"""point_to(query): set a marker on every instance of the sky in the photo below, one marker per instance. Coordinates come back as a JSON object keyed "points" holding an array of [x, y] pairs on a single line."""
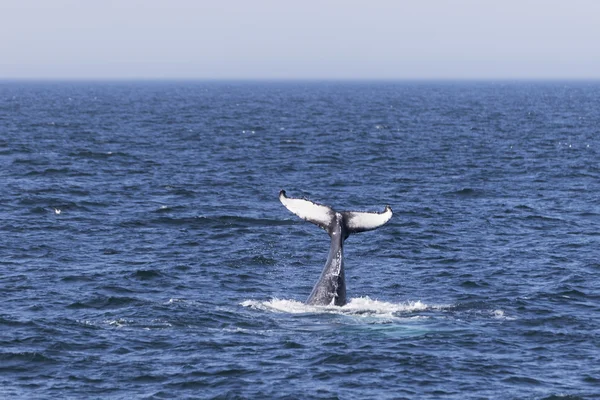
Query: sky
{"points": [[302, 39]]}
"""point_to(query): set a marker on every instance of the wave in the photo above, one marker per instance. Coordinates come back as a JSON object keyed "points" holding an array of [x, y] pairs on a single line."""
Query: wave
{"points": [[106, 302], [235, 220], [218, 222], [71, 172], [466, 192], [101, 155], [23, 356]]}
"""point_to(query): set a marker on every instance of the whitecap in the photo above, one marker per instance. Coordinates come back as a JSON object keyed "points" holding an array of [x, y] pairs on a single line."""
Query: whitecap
{"points": [[499, 314]]}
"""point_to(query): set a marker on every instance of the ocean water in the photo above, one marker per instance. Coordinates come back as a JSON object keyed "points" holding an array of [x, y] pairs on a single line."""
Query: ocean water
{"points": [[144, 253]]}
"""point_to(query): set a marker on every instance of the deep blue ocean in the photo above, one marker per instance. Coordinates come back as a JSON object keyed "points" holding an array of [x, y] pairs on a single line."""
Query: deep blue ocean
{"points": [[144, 252]]}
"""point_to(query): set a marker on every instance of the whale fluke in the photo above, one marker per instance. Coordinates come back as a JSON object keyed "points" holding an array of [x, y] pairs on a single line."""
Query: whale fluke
{"points": [[324, 216], [331, 286]]}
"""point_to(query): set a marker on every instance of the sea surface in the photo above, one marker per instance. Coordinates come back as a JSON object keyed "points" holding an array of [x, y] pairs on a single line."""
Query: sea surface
{"points": [[144, 252]]}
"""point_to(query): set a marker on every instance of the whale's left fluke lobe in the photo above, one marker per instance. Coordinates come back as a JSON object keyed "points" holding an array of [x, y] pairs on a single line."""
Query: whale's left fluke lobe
{"points": [[331, 287], [318, 214]]}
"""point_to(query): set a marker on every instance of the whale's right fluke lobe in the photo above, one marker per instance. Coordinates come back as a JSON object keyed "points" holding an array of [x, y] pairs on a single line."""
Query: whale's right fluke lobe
{"points": [[366, 221]]}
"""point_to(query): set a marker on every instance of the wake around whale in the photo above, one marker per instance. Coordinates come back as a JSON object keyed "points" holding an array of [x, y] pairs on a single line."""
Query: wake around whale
{"points": [[330, 289]]}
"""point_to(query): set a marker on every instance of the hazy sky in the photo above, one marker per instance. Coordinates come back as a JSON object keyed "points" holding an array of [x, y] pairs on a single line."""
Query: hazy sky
{"points": [[306, 39]]}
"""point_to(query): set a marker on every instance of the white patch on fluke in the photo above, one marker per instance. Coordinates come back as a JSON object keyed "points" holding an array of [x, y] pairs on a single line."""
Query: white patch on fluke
{"points": [[366, 221], [307, 210]]}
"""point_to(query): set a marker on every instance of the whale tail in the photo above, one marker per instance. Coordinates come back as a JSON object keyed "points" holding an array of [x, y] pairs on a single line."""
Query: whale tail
{"points": [[327, 218]]}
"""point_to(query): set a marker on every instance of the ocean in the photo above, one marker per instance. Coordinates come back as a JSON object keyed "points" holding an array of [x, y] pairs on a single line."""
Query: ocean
{"points": [[144, 252]]}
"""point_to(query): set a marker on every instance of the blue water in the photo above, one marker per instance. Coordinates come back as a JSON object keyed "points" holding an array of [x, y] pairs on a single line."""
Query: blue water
{"points": [[144, 252]]}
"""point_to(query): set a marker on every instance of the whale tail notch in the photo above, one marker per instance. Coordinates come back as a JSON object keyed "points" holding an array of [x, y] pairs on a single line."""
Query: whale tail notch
{"points": [[326, 217]]}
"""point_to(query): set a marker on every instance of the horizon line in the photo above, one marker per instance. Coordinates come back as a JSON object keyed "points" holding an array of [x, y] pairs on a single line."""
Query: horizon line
{"points": [[281, 80]]}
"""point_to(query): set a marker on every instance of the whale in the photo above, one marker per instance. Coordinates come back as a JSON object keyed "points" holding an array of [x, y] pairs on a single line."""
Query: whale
{"points": [[330, 289]]}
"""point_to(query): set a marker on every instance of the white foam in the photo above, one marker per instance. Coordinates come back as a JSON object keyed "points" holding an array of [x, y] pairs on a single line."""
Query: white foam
{"points": [[362, 306], [118, 322], [499, 314]]}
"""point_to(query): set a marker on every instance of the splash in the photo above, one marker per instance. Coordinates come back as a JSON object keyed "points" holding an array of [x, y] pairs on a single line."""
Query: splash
{"points": [[362, 306]]}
